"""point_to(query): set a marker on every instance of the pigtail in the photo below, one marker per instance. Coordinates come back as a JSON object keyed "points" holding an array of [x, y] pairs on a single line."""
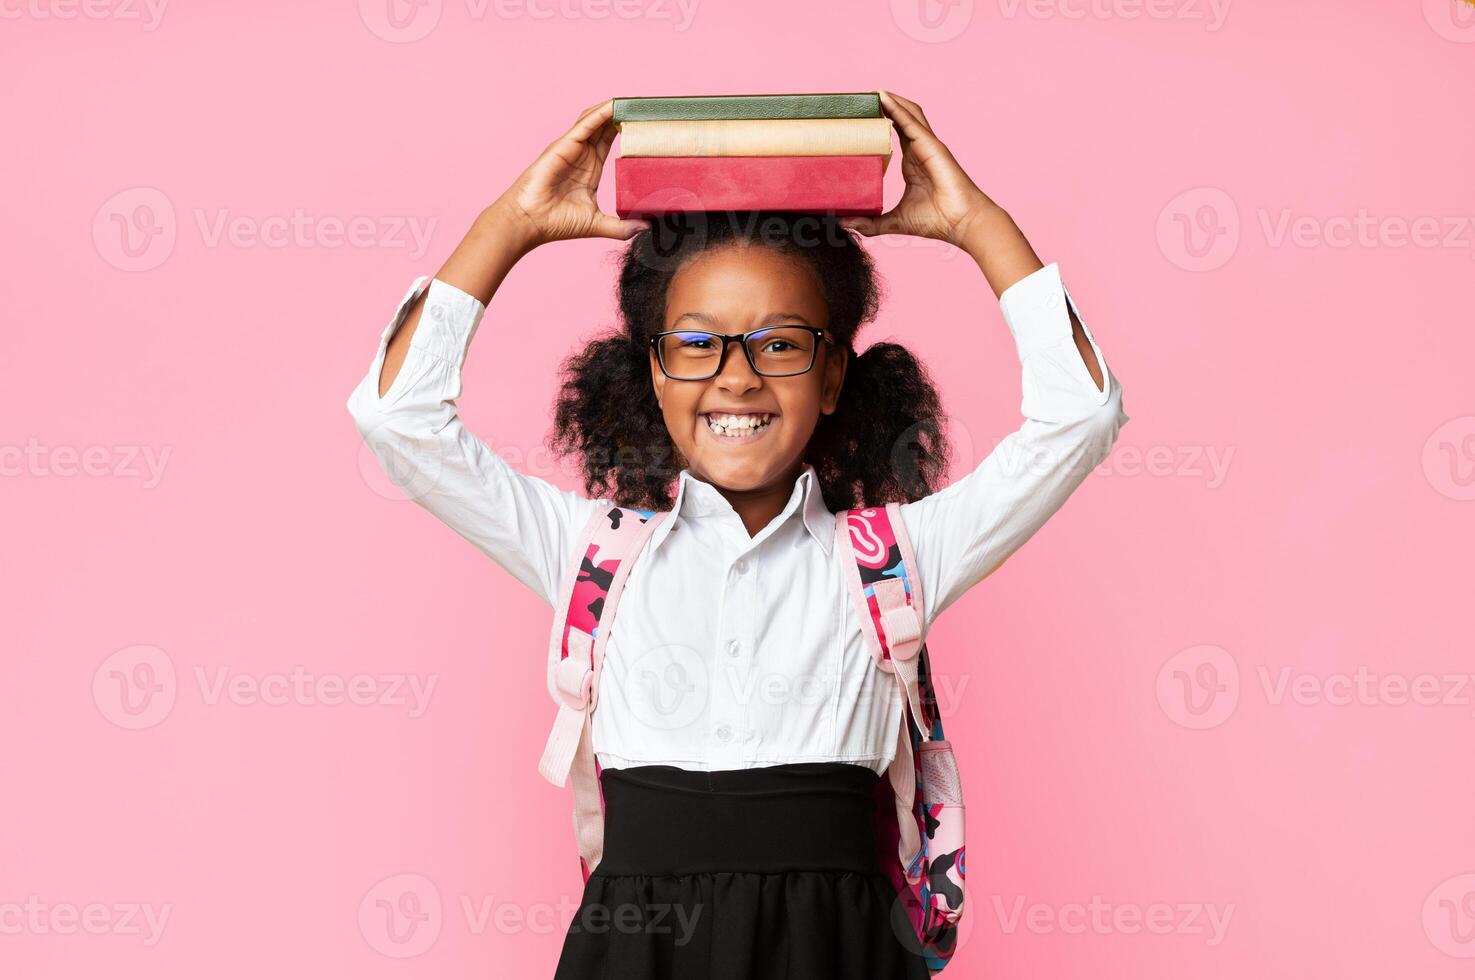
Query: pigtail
{"points": [[607, 416], [885, 441]]}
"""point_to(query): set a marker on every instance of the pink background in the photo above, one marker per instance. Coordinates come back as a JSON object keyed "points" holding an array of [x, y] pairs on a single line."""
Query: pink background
{"points": [[1123, 729]]}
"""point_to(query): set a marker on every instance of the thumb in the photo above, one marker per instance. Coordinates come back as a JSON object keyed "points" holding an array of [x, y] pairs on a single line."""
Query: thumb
{"points": [[868, 226], [608, 226]]}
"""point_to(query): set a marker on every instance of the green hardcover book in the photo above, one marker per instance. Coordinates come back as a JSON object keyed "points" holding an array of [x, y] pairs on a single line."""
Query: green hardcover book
{"points": [[819, 105]]}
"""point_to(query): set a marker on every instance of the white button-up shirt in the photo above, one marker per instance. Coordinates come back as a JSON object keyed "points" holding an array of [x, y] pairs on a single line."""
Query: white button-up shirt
{"points": [[732, 651]]}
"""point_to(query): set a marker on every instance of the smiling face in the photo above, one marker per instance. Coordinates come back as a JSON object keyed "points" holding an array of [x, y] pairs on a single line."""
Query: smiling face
{"points": [[734, 289]]}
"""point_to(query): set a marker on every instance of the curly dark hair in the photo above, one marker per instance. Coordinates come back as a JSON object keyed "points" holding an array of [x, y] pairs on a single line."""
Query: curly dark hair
{"points": [[884, 442]]}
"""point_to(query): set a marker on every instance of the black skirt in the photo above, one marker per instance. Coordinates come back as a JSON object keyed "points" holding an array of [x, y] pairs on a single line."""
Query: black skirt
{"points": [[743, 874]]}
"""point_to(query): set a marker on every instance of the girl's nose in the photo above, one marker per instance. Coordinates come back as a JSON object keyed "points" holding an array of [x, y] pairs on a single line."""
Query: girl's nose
{"points": [[734, 372]]}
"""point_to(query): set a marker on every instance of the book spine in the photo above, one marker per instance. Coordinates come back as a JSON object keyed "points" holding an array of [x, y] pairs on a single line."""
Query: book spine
{"points": [[756, 138], [651, 186], [837, 105]]}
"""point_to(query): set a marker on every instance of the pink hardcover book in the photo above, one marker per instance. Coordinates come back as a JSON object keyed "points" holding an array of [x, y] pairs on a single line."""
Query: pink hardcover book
{"points": [[649, 186]]}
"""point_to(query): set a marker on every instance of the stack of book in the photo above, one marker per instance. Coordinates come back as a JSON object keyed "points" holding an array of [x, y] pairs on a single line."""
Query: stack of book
{"points": [[823, 152]]}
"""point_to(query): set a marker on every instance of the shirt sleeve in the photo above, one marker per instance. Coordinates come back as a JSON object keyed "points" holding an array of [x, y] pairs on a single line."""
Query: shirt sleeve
{"points": [[964, 532], [524, 523]]}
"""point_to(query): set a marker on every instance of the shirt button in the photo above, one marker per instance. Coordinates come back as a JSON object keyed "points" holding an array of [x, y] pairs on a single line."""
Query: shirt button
{"points": [[724, 733], [438, 312], [733, 647], [741, 566]]}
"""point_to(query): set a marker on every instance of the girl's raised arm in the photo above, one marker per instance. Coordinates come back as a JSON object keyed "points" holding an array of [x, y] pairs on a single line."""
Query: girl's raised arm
{"points": [[1072, 414], [405, 405], [1072, 404]]}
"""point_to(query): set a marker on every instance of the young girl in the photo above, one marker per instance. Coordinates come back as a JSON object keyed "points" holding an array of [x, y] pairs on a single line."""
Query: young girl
{"points": [[741, 724]]}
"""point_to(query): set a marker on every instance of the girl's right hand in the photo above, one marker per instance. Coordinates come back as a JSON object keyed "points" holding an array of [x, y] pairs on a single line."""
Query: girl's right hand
{"points": [[554, 198]]}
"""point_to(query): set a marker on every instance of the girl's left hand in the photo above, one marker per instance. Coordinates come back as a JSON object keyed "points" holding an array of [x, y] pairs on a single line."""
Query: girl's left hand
{"points": [[940, 200]]}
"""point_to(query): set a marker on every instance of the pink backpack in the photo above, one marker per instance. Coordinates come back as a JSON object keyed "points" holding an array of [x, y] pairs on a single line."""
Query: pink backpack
{"points": [[920, 836]]}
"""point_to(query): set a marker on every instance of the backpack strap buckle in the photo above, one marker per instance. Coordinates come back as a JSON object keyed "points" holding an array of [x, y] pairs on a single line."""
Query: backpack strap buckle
{"points": [[573, 677], [900, 620]]}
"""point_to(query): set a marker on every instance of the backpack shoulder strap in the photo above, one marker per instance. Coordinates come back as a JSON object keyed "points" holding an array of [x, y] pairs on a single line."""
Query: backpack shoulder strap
{"points": [[590, 591], [886, 591], [604, 555]]}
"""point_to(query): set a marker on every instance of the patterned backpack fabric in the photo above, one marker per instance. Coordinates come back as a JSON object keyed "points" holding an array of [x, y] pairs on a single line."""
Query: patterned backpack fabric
{"points": [[919, 819]]}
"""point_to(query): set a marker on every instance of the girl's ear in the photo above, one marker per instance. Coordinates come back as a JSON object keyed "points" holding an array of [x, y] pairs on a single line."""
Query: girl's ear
{"points": [[657, 377], [837, 362]]}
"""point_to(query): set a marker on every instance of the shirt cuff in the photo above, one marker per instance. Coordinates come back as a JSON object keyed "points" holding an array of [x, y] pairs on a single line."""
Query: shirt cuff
{"points": [[1035, 310], [447, 324]]}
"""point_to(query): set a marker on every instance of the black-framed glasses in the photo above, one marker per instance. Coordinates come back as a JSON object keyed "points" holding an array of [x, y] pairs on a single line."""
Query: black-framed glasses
{"points": [[773, 352]]}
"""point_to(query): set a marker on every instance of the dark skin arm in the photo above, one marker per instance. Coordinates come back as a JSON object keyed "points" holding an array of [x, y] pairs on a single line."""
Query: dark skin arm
{"points": [[552, 200], [941, 202]]}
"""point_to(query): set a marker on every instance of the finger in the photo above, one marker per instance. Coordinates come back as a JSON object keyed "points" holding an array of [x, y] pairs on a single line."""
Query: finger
{"points": [[915, 110], [889, 107], [593, 118], [926, 145], [609, 226], [903, 113], [868, 226], [605, 141]]}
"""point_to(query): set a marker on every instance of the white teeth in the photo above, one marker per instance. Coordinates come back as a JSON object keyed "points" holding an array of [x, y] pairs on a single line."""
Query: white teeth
{"points": [[737, 425]]}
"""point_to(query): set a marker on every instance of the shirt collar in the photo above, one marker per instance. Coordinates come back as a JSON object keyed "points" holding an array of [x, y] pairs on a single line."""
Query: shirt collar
{"points": [[696, 497]]}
